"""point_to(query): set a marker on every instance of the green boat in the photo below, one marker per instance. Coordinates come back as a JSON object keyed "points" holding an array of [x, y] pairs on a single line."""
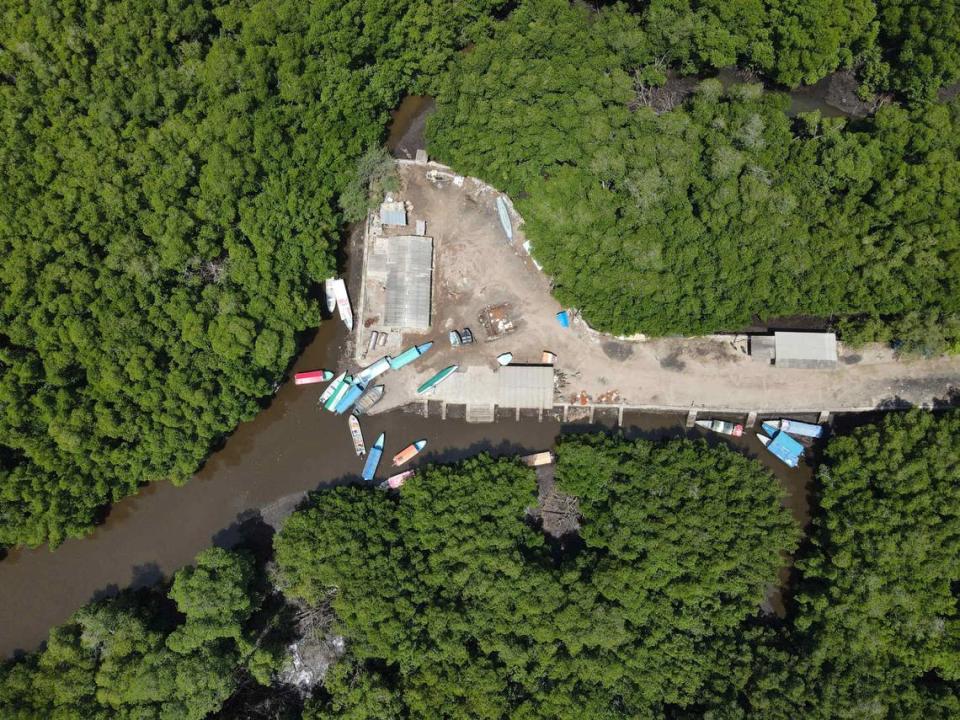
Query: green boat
{"points": [[437, 379]]}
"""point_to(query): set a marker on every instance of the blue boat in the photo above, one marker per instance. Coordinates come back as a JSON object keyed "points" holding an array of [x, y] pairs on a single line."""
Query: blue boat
{"points": [[347, 401], [409, 355], [373, 459], [784, 447], [795, 427]]}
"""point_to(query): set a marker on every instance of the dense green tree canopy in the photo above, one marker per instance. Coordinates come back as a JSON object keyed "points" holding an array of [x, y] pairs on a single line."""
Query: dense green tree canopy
{"points": [[722, 209], [121, 658], [454, 605], [169, 177]]}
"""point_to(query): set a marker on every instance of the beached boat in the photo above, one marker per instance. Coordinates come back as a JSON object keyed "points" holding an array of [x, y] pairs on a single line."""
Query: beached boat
{"points": [[375, 370], [331, 388], [369, 398], [548, 358], [343, 387], [382, 340], [408, 453], [373, 341], [454, 337], [795, 427], [783, 447], [505, 358], [343, 302], [312, 376], [437, 379], [395, 481], [373, 459], [504, 218], [331, 295], [721, 426], [349, 398], [537, 459], [357, 435], [409, 355]]}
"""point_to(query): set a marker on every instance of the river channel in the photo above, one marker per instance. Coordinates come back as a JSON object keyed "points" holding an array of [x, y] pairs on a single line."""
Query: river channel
{"points": [[263, 470]]}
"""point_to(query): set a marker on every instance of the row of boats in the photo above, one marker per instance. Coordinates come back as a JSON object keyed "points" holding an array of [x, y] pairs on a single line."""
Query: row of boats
{"points": [[779, 436]]}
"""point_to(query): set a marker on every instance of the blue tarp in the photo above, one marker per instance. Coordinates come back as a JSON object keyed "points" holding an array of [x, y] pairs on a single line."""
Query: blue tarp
{"points": [[563, 318], [786, 448]]}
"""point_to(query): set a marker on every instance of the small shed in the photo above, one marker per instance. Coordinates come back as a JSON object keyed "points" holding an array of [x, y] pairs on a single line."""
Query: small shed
{"points": [[805, 350], [393, 213]]}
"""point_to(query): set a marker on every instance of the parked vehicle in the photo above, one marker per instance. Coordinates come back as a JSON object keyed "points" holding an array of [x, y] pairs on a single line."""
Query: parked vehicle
{"points": [[466, 337], [455, 340]]}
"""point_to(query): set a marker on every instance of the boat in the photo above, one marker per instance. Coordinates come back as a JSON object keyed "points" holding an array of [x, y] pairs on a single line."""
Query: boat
{"points": [[312, 376], [374, 370], [409, 355], [408, 453], [437, 379], [395, 481], [373, 341], [331, 296], [369, 398], [721, 426], [537, 459], [505, 358], [795, 427], [373, 459], [342, 388], [783, 447], [504, 218], [349, 398], [343, 302], [357, 435], [331, 388], [383, 339], [454, 337], [466, 336], [548, 358]]}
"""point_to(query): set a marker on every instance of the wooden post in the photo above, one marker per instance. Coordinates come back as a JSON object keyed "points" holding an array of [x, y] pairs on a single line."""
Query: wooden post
{"points": [[691, 418], [620, 416], [518, 413], [565, 408], [443, 410], [824, 417]]}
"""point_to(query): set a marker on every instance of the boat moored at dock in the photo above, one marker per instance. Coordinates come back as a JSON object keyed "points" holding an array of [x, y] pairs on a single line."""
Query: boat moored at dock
{"points": [[721, 426], [370, 397], [795, 427], [312, 376]]}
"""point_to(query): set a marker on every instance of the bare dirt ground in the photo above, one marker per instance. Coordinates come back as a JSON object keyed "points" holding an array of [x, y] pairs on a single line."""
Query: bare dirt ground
{"points": [[475, 267]]}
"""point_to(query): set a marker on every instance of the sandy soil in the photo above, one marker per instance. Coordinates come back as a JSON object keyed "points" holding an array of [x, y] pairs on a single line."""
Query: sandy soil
{"points": [[475, 267]]}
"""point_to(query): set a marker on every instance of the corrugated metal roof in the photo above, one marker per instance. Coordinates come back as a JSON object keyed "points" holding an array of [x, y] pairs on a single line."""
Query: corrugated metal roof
{"points": [[393, 213], [805, 350], [408, 265], [524, 386]]}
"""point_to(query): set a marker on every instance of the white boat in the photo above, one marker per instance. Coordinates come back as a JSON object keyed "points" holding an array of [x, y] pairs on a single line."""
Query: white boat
{"points": [[357, 435], [505, 358], [796, 427], [331, 388], [331, 296], [343, 302], [373, 341], [721, 426], [537, 459]]}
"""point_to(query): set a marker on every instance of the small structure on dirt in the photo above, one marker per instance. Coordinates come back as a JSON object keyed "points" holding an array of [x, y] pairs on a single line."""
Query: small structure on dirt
{"points": [[803, 350], [497, 320], [403, 265], [393, 213], [813, 351]]}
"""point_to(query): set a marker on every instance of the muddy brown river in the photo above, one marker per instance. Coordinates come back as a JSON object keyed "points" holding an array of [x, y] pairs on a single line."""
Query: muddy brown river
{"points": [[263, 469]]}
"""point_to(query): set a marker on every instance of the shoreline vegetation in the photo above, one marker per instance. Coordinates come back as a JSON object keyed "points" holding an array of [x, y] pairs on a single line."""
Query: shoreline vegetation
{"points": [[448, 600], [172, 184]]}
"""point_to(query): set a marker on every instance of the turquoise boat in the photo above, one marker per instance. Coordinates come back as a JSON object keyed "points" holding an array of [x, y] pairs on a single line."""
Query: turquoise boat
{"points": [[338, 392], [437, 379], [373, 459], [409, 355]]}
